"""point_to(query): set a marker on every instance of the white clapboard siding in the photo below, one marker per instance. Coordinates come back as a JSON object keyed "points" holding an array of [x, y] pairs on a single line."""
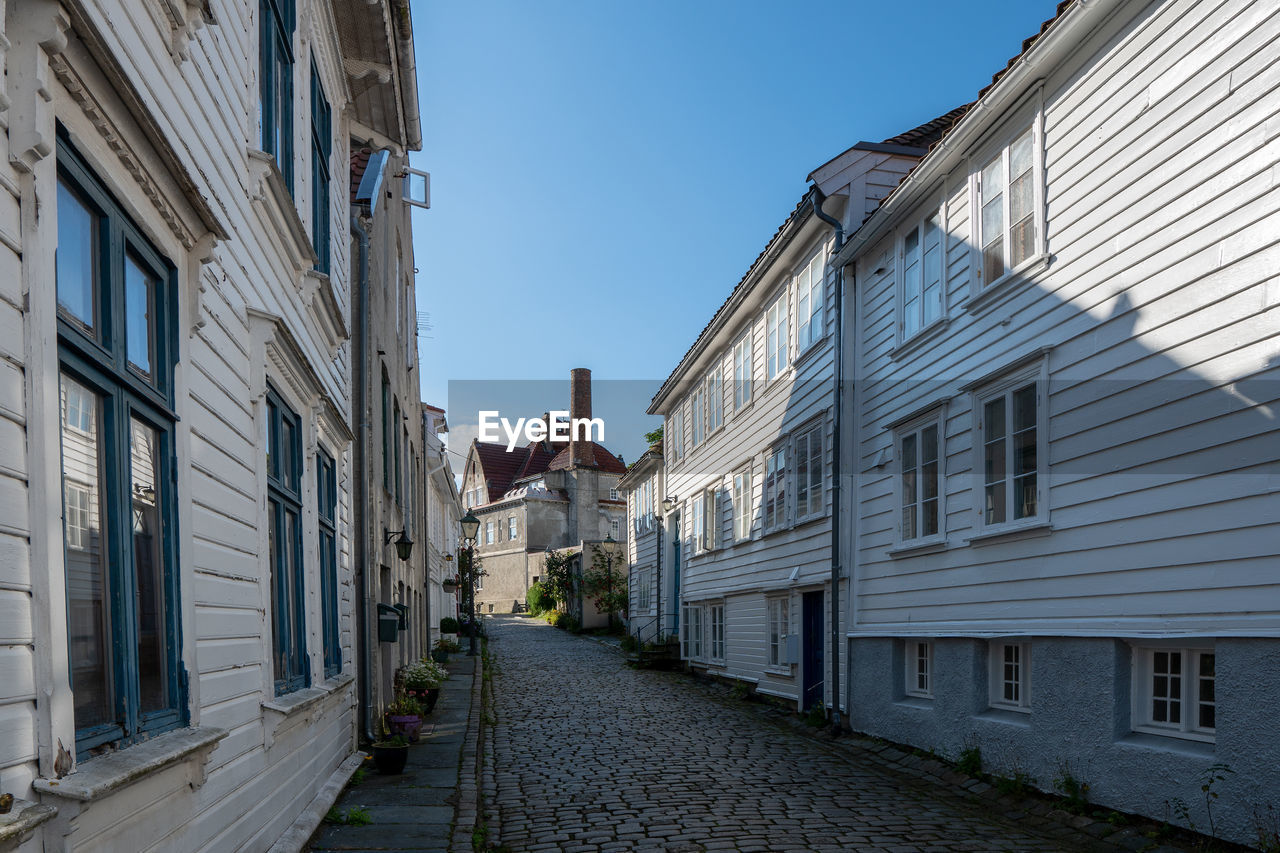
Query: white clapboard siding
{"points": [[1159, 305]]}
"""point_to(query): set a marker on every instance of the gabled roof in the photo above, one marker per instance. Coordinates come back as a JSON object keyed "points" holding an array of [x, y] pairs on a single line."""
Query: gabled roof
{"points": [[929, 133], [600, 458], [504, 469]]}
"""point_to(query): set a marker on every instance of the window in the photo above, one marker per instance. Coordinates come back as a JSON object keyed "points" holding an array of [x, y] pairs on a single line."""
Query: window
{"points": [[775, 490], [715, 399], [642, 506], [674, 435], [489, 532], [321, 151], [1174, 692], [327, 510], [386, 431], [275, 108], [116, 313], [284, 517], [710, 526], [1007, 196], [921, 256], [920, 486], [1011, 676], [776, 331], [395, 462], [810, 286], [691, 632], [779, 628], [512, 529], [742, 372], [697, 414], [614, 528], [613, 494], [1011, 453], [698, 527], [742, 506], [919, 669], [809, 474], [644, 591], [717, 632]]}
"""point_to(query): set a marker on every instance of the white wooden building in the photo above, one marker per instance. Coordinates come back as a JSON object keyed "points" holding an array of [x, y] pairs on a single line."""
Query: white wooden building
{"points": [[1066, 419], [642, 489], [177, 651], [442, 513], [748, 426]]}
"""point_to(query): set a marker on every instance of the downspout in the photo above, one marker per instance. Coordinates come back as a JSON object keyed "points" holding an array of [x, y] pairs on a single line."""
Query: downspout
{"points": [[836, 725], [362, 477]]}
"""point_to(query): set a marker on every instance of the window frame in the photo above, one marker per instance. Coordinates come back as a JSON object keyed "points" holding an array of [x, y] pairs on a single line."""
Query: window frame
{"points": [[806, 435], [327, 542], [1030, 117], [743, 358], [1037, 375], [490, 532], [996, 663], [321, 154], [770, 499], [288, 582], [644, 591], [276, 63], [741, 497], [939, 211], [936, 418], [98, 358], [713, 385], [805, 343], [912, 672], [697, 415], [777, 356], [692, 642], [777, 615], [716, 629], [1189, 700], [513, 528]]}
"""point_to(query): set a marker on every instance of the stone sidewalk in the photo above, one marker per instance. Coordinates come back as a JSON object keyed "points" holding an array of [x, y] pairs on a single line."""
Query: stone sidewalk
{"points": [[431, 807]]}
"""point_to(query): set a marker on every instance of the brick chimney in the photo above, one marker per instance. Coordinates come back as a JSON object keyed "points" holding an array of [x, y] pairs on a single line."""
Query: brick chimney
{"points": [[580, 454]]}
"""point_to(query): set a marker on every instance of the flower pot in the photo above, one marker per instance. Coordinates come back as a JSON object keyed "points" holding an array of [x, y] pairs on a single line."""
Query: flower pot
{"points": [[440, 656], [427, 697], [407, 725], [390, 758]]}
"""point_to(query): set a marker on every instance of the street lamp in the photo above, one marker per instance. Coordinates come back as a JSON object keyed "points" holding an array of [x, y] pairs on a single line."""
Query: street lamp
{"points": [[404, 545], [611, 549], [470, 529]]}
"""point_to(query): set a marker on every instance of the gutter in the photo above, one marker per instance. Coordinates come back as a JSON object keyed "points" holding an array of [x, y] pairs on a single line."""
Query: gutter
{"points": [[408, 75], [837, 381], [1062, 38]]}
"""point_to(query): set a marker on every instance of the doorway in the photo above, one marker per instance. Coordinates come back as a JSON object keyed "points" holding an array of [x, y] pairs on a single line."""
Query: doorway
{"points": [[811, 642]]}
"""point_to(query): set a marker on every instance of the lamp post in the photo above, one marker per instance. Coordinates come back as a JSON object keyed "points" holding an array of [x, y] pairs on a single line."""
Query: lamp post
{"points": [[610, 548], [470, 528]]}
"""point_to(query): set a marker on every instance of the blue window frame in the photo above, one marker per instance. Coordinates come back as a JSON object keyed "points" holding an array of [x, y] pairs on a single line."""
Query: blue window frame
{"points": [[321, 150], [275, 108], [386, 431], [327, 505], [395, 447], [284, 520], [116, 346]]}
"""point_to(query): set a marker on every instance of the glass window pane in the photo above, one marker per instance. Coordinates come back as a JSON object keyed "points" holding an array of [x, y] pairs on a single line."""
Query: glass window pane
{"points": [[77, 257], [1020, 155], [148, 564], [139, 306], [88, 594]]}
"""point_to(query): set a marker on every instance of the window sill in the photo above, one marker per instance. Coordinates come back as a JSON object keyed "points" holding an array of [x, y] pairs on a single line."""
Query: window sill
{"points": [[1007, 716], [1168, 743], [920, 338], [1006, 285], [915, 549], [783, 671], [306, 702], [22, 820], [1011, 533], [920, 703], [106, 774], [807, 353]]}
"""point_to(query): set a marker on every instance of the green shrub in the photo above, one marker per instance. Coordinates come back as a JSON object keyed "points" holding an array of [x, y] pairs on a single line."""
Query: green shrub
{"points": [[448, 625], [817, 716], [629, 643], [539, 599], [970, 762]]}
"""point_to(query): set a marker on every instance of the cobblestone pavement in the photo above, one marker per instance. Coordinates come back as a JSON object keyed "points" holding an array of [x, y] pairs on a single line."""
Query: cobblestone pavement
{"points": [[589, 755]]}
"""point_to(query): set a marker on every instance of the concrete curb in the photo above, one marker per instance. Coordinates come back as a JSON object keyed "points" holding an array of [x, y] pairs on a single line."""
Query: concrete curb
{"points": [[467, 809]]}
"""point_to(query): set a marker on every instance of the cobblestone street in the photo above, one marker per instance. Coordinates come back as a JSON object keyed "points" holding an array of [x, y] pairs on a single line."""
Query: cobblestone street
{"points": [[590, 755]]}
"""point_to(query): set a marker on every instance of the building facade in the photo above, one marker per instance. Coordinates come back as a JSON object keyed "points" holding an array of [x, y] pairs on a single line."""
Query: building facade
{"points": [[442, 514], [177, 586], [642, 489], [1065, 437]]}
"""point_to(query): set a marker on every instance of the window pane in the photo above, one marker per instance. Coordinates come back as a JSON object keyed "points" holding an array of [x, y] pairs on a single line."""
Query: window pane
{"points": [[1024, 452], [148, 564], [139, 306], [87, 590], [77, 257], [1207, 703], [994, 459]]}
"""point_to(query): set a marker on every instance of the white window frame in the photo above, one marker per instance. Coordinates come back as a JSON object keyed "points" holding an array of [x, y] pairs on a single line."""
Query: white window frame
{"points": [[697, 519], [711, 519], [777, 629], [777, 332], [644, 591], [811, 321], [1187, 695], [614, 528], [804, 440], [743, 368], [773, 490], [742, 505], [697, 415], [913, 283], [613, 494], [674, 435], [714, 394], [919, 671], [1009, 668], [1037, 375], [691, 634], [1029, 117], [490, 528], [716, 625], [915, 429]]}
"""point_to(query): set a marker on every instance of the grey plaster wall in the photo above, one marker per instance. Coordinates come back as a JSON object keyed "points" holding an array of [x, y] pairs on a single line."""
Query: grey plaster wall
{"points": [[1080, 723]]}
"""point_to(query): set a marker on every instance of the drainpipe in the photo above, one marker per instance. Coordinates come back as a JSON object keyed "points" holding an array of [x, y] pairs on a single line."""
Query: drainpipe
{"points": [[836, 726], [360, 357]]}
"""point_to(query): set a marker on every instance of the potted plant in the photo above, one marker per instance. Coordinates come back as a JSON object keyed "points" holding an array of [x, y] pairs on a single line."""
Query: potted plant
{"points": [[404, 717], [448, 625], [390, 755], [422, 682], [442, 649], [450, 585]]}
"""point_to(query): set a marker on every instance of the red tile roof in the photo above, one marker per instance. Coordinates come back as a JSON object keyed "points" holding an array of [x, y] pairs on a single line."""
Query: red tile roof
{"points": [[600, 458], [503, 469], [359, 162], [929, 133]]}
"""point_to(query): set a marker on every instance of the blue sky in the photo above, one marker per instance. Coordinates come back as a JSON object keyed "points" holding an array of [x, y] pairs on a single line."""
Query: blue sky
{"points": [[603, 173]]}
